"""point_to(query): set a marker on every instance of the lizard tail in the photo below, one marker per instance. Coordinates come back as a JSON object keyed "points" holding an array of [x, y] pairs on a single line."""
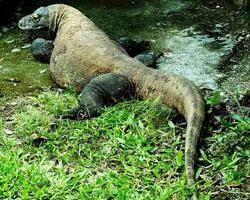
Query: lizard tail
{"points": [[180, 93]]}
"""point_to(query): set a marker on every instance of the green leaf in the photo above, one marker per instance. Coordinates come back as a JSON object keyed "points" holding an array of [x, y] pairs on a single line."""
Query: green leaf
{"points": [[179, 160], [171, 124], [203, 155], [121, 141], [198, 173], [215, 99]]}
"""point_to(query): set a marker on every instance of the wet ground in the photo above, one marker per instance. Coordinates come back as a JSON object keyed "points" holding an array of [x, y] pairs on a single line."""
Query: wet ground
{"points": [[173, 27], [195, 55]]}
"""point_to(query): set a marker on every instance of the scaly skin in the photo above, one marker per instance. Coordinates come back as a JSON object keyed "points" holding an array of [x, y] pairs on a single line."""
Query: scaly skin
{"points": [[82, 52]]}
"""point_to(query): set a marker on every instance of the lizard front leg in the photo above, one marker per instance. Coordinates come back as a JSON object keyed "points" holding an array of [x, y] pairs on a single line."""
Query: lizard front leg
{"points": [[103, 90]]}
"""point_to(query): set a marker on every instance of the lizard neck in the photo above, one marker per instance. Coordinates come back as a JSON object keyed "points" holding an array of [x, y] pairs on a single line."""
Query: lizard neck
{"points": [[56, 17]]}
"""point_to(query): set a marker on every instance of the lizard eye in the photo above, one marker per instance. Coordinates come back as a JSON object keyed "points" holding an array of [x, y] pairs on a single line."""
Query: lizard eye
{"points": [[35, 16]]}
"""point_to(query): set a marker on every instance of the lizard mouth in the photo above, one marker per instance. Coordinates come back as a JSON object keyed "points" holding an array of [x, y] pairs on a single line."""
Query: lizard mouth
{"points": [[26, 23]]}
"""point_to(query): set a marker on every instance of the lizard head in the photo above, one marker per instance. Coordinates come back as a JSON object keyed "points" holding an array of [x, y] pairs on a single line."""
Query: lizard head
{"points": [[37, 20]]}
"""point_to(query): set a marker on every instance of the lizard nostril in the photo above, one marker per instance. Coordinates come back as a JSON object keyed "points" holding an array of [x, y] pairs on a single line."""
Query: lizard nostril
{"points": [[20, 23]]}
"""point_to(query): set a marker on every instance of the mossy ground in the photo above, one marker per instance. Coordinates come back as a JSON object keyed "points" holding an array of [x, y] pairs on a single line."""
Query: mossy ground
{"points": [[20, 72]]}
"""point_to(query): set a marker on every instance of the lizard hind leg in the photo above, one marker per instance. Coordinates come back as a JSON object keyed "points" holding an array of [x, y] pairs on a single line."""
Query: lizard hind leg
{"points": [[103, 90]]}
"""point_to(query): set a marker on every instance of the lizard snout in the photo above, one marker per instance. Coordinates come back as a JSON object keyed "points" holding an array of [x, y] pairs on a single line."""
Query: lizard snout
{"points": [[20, 23]]}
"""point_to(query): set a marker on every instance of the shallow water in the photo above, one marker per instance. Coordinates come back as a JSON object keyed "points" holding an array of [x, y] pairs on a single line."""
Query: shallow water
{"points": [[192, 55], [168, 24]]}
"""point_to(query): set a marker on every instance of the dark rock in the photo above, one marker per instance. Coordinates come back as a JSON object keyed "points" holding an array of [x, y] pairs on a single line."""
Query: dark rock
{"points": [[42, 49]]}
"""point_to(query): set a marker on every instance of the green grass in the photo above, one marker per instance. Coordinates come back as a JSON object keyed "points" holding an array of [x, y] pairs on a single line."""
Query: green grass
{"points": [[132, 151]]}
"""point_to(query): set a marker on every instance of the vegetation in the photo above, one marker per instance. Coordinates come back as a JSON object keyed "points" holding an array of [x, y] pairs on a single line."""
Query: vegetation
{"points": [[134, 150]]}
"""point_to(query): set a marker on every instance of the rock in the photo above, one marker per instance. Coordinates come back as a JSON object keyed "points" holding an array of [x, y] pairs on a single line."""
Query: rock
{"points": [[9, 41], [15, 50], [26, 46], [42, 71]]}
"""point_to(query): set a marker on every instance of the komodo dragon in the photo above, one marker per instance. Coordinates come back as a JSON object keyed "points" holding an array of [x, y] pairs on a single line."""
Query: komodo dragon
{"points": [[87, 59]]}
